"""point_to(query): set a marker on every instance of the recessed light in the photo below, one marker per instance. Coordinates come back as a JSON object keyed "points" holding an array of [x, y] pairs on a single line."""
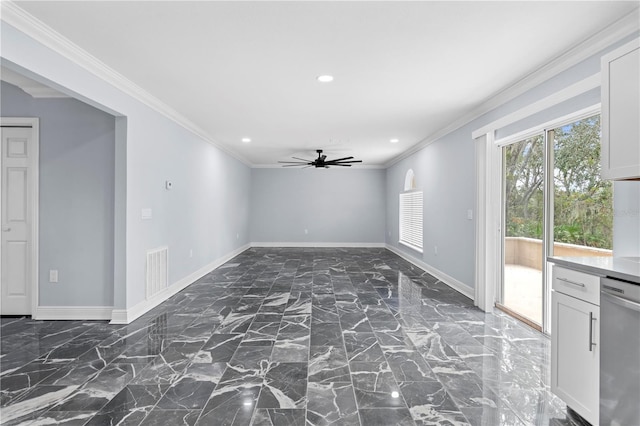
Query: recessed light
{"points": [[325, 78], [246, 140], [394, 140]]}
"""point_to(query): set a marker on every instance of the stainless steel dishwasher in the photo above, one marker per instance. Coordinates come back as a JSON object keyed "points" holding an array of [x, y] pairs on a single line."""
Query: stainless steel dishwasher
{"points": [[619, 353]]}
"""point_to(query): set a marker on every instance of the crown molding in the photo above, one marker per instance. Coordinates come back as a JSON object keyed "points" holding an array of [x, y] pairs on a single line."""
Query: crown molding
{"points": [[623, 27], [45, 35]]}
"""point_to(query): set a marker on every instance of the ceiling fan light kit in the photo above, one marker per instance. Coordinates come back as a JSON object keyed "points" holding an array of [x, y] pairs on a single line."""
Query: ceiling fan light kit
{"points": [[321, 162]]}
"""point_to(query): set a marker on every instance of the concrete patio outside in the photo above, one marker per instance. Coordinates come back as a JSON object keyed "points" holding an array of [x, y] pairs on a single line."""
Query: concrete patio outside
{"points": [[522, 291]]}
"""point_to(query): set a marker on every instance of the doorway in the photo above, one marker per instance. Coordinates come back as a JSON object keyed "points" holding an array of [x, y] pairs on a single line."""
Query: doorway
{"points": [[553, 204], [19, 216]]}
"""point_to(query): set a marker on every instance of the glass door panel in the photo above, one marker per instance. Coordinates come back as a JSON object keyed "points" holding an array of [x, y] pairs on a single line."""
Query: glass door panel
{"points": [[582, 201], [523, 182]]}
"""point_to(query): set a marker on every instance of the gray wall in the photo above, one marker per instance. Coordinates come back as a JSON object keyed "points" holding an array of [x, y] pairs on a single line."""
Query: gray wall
{"points": [[208, 209], [626, 218], [445, 171], [76, 197], [334, 205]]}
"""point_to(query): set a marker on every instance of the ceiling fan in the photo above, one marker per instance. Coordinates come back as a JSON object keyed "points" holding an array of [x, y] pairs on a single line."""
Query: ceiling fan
{"points": [[320, 162]]}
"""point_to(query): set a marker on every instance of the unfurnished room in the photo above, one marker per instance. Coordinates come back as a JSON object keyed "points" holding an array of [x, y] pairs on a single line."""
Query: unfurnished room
{"points": [[283, 213]]}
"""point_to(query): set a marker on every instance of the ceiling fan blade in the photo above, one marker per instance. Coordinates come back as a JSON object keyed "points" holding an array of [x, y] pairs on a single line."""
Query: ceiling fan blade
{"points": [[302, 159], [294, 162], [324, 157], [341, 165], [340, 159], [344, 162]]}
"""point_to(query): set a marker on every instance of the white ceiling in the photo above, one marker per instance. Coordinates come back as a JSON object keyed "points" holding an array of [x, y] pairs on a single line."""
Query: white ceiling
{"points": [[248, 69]]}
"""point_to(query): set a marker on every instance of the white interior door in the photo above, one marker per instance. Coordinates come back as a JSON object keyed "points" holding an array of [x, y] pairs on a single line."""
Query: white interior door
{"points": [[18, 151]]}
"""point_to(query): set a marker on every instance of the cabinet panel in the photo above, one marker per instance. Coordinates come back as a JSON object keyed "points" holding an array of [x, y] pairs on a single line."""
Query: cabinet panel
{"points": [[575, 354], [577, 284], [620, 154]]}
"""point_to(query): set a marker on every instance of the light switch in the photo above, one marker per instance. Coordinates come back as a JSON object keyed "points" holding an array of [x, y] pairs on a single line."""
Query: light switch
{"points": [[470, 214], [53, 275], [146, 214]]}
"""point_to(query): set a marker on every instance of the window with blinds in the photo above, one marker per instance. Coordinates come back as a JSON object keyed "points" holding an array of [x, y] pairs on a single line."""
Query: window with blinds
{"points": [[411, 219]]}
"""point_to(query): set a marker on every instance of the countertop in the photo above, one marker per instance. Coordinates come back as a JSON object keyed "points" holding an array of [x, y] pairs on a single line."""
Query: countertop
{"points": [[623, 268]]}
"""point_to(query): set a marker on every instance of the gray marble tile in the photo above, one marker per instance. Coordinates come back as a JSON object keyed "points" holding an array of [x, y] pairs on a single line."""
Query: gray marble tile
{"points": [[323, 330], [331, 404], [130, 406], [408, 365], [363, 347], [251, 357], [326, 334], [192, 390], [285, 386], [61, 418], [158, 417], [231, 405], [429, 403], [278, 417], [291, 350], [36, 402], [354, 322], [261, 334], [328, 364], [375, 386], [386, 417]]}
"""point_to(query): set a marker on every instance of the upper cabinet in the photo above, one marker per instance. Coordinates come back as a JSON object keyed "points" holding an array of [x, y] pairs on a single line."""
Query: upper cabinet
{"points": [[620, 154]]}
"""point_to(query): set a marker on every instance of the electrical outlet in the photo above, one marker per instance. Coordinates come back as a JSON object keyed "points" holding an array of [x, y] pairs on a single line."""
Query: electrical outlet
{"points": [[435, 250], [191, 253], [237, 236], [470, 214], [53, 275]]}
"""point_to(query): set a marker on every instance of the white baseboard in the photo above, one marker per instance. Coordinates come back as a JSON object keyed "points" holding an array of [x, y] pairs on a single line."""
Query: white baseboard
{"points": [[72, 313], [319, 245], [126, 316], [447, 279]]}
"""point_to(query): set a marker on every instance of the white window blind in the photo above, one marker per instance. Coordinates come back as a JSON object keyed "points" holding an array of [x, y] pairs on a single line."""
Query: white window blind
{"points": [[411, 219]]}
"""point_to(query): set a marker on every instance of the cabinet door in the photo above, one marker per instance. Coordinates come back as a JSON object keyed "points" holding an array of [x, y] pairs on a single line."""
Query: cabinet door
{"points": [[575, 354], [620, 154]]}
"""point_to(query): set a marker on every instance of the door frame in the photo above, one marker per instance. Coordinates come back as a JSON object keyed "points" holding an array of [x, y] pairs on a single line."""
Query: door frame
{"points": [[34, 192], [488, 276]]}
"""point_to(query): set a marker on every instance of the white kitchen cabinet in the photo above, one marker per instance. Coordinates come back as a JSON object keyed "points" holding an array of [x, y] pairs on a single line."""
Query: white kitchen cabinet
{"points": [[620, 144], [575, 351]]}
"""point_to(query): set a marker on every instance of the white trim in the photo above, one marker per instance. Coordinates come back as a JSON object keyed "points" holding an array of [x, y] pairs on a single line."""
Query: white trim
{"points": [[318, 245], [45, 35], [624, 27], [126, 316], [459, 286], [34, 192], [488, 190], [83, 313], [582, 86], [411, 246], [551, 124]]}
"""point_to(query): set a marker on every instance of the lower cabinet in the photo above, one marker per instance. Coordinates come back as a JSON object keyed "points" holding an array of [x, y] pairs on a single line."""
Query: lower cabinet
{"points": [[575, 354]]}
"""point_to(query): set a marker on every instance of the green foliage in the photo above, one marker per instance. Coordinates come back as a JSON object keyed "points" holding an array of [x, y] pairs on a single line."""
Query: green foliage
{"points": [[583, 203]]}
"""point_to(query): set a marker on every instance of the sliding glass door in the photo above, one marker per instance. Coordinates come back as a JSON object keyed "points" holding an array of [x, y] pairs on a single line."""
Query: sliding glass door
{"points": [[554, 203], [523, 181]]}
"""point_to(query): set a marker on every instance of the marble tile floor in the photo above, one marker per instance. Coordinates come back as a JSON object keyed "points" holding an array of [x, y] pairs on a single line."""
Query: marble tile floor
{"points": [[286, 337]]}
